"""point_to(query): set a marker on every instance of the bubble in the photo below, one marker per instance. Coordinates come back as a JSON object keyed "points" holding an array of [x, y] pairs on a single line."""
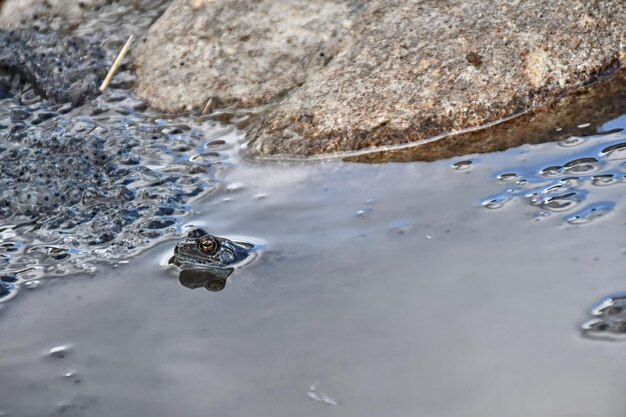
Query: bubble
{"points": [[31, 285], [602, 180], [462, 165], [235, 187], [363, 212], [582, 165], [571, 141], [215, 143], [72, 375], [560, 202], [609, 319], [591, 213], [551, 171], [496, 202], [614, 152], [315, 395], [508, 177], [60, 352]]}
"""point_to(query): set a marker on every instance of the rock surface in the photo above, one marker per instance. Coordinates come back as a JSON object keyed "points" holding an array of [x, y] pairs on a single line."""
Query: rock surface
{"points": [[581, 113], [237, 52], [415, 69]]}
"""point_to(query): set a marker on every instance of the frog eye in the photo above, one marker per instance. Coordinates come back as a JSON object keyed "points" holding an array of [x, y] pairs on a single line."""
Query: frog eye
{"points": [[207, 245]]}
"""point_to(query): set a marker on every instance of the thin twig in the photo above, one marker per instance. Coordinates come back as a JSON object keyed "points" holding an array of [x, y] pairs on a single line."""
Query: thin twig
{"points": [[116, 63], [210, 106]]}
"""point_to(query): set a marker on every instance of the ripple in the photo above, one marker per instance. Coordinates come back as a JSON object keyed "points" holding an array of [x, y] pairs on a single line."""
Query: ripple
{"points": [[572, 141], [582, 166], [564, 183], [508, 177], [609, 319], [559, 202], [609, 178], [591, 213], [60, 352], [462, 165], [315, 395], [496, 202], [614, 152]]}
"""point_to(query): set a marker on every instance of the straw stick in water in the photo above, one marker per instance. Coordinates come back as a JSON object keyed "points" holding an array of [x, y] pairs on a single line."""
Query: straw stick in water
{"points": [[116, 63]]}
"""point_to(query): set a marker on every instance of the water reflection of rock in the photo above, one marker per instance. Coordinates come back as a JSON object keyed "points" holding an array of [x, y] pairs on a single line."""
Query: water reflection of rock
{"points": [[609, 319], [211, 279]]}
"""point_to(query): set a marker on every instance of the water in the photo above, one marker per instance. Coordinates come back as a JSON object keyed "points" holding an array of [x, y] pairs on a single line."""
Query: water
{"points": [[80, 186], [482, 285], [429, 304]]}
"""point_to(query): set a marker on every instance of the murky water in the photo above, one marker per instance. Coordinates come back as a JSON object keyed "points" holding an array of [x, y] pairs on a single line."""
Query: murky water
{"points": [[484, 285], [380, 290]]}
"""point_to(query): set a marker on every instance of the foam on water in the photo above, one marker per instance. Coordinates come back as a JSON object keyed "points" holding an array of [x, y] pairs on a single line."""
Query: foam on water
{"points": [[100, 181]]}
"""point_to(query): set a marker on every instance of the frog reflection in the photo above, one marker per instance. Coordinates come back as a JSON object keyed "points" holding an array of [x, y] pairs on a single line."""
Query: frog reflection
{"points": [[211, 279], [207, 261], [609, 320]]}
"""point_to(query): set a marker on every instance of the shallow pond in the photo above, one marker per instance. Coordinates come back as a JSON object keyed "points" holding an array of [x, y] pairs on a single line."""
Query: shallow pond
{"points": [[473, 286], [449, 288]]}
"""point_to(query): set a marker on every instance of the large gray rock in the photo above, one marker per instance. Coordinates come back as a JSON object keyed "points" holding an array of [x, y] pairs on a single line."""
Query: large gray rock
{"points": [[237, 52], [417, 69]]}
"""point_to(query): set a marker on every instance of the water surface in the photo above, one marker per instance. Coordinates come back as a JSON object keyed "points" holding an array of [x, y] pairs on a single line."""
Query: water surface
{"points": [[380, 290]]}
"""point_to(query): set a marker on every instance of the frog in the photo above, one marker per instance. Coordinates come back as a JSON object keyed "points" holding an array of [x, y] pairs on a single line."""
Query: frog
{"points": [[203, 250], [207, 260]]}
